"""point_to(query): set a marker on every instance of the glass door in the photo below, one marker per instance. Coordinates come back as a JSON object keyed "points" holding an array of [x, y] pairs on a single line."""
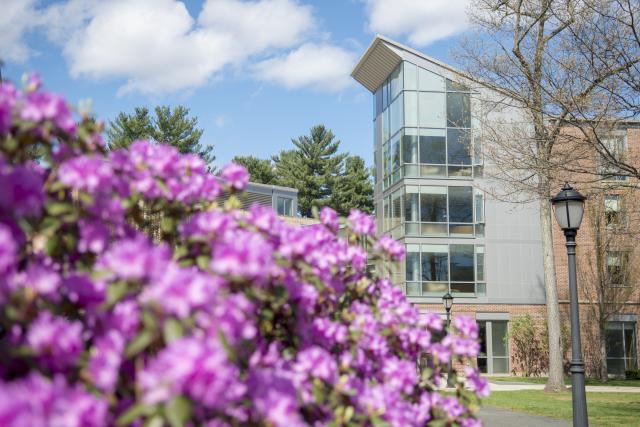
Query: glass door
{"points": [[494, 350]]}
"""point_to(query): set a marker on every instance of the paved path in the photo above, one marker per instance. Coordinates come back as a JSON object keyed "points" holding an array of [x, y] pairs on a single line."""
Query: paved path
{"points": [[512, 386], [495, 417]]}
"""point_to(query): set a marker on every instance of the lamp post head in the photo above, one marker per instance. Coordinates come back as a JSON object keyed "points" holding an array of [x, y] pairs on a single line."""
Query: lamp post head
{"points": [[447, 300], [568, 206]]}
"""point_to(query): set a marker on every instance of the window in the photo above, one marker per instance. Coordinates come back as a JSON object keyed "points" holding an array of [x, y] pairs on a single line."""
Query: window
{"points": [[461, 204], [459, 146], [410, 76], [396, 115], [411, 109], [618, 268], [612, 209], [431, 107], [458, 110], [494, 352], [620, 340], [430, 81], [434, 269], [479, 206], [433, 146], [410, 146], [433, 204], [284, 206], [395, 82], [616, 146]]}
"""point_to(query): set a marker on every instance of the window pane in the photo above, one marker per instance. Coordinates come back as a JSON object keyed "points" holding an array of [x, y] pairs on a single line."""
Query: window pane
{"points": [[379, 105], [284, 206], [411, 207], [498, 334], [410, 146], [479, 207], [411, 109], [480, 263], [396, 206], [396, 113], [462, 263], [458, 110], [630, 340], [413, 263], [432, 146], [434, 263], [461, 204], [430, 81], [613, 338], [395, 153], [410, 76], [395, 81], [433, 207], [432, 109], [463, 288], [458, 147], [500, 365]]}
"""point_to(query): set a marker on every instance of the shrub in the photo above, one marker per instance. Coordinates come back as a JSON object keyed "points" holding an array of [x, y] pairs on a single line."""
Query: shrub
{"points": [[529, 349], [232, 318], [632, 374]]}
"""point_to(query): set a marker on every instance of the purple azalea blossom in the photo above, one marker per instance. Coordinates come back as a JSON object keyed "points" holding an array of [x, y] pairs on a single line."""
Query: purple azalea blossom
{"points": [[39, 106], [362, 223], [105, 359], [235, 175], [56, 341], [22, 189], [135, 258], [476, 382], [391, 246], [329, 218]]}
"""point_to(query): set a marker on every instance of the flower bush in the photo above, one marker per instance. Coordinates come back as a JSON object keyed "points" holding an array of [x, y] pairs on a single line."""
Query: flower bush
{"points": [[228, 318]]}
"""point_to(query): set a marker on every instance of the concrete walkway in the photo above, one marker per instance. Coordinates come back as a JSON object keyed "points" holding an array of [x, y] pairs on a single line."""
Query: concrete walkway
{"points": [[512, 386], [495, 417]]}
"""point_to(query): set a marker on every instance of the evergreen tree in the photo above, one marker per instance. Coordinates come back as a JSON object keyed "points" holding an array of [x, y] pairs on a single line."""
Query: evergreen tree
{"points": [[173, 127], [261, 170], [353, 189], [312, 168], [127, 128]]}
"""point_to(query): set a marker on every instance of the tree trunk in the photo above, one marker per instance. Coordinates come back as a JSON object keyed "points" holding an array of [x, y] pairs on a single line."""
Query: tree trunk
{"points": [[603, 369], [556, 370]]}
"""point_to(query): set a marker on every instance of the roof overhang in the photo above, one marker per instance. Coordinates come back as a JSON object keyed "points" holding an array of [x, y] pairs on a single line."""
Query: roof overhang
{"points": [[376, 64]]}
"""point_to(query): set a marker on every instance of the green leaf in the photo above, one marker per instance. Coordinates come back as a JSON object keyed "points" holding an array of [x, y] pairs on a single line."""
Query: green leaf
{"points": [[178, 411], [168, 224], [203, 261], [172, 330], [52, 245], [155, 421], [115, 292], [139, 343], [58, 208], [149, 321], [134, 412]]}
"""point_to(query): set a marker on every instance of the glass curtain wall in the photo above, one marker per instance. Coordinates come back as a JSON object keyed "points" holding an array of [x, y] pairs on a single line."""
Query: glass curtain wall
{"points": [[434, 269], [425, 124]]}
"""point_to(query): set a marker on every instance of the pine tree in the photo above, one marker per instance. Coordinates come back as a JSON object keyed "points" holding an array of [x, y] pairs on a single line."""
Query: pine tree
{"points": [[170, 127], [312, 168], [261, 170], [353, 189]]}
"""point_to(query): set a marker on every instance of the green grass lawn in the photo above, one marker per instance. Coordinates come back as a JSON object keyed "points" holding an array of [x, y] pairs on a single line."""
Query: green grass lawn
{"points": [[605, 409], [543, 380]]}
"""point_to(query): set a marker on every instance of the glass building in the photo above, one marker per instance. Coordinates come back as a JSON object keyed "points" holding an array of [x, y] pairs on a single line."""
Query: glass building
{"points": [[431, 195]]}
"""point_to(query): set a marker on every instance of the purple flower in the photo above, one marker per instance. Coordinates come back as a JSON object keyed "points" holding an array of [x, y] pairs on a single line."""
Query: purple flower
{"points": [[105, 359], [391, 246], [40, 279], [8, 96], [462, 346], [400, 374], [329, 218], [362, 223], [21, 189], [56, 341], [40, 106], [331, 332], [194, 367], [8, 250], [235, 175], [135, 258], [82, 290], [452, 407], [467, 326], [37, 401], [94, 236], [318, 363], [274, 397], [207, 224], [89, 173], [476, 383], [469, 422], [124, 318], [242, 254]]}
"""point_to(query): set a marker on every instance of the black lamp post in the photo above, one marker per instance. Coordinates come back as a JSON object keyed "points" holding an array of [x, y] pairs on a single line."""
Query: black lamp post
{"points": [[568, 206], [447, 300]]}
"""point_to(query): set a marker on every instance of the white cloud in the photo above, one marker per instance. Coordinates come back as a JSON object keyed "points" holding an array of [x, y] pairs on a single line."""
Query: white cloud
{"points": [[220, 120], [321, 66], [422, 21], [16, 18], [157, 46]]}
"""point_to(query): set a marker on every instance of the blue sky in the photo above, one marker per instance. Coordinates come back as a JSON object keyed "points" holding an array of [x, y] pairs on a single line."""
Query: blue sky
{"points": [[255, 73]]}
